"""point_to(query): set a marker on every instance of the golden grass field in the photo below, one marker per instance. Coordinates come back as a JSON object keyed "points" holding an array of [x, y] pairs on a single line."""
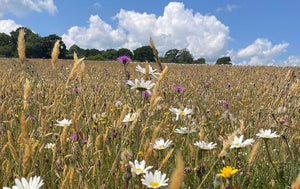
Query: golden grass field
{"points": [[95, 150]]}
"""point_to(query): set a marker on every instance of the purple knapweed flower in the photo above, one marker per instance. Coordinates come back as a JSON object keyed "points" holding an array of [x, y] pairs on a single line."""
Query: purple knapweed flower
{"points": [[75, 90], [229, 85], [207, 83], [84, 141], [96, 88], [226, 104], [124, 59], [73, 136], [145, 94], [178, 88], [282, 121]]}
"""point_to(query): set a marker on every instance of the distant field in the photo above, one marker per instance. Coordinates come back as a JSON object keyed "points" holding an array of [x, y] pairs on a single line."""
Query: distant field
{"points": [[94, 151]]}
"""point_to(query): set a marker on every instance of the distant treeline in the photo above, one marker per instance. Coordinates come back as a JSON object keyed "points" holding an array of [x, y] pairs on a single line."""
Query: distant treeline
{"points": [[41, 47]]}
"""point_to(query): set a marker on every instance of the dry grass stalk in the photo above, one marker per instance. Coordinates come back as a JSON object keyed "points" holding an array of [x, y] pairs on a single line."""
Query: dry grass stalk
{"points": [[72, 177], [13, 152], [296, 184], [155, 89], [227, 144], [178, 174], [26, 157], [253, 154], [21, 47], [63, 185], [3, 151], [155, 52], [146, 71], [73, 70], [26, 94], [122, 116], [55, 53], [63, 138], [164, 161], [81, 71], [24, 127]]}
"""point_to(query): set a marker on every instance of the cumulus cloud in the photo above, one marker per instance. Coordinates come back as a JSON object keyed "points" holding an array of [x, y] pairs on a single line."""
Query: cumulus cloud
{"points": [[6, 26], [178, 27], [260, 52], [20, 8], [292, 61]]}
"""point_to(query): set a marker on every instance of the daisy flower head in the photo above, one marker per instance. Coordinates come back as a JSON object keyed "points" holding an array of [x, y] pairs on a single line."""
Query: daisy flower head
{"points": [[34, 183], [180, 112], [238, 142], [141, 85], [124, 59], [227, 172], [152, 71], [155, 180], [129, 117], [139, 167], [266, 134], [205, 146], [49, 146], [161, 144], [184, 130], [63, 122]]}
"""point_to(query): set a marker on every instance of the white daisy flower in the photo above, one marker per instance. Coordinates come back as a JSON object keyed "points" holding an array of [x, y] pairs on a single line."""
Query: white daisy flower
{"points": [[63, 122], [129, 117], [267, 134], [205, 146], [180, 112], [160, 144], [238, 142], [139, 167], [185, 130], [155, 180], [49, 146], [34, 183], [141, 85], [152, 71]]}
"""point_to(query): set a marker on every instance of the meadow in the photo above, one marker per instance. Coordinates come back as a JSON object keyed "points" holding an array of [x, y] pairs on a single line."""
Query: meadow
{"points": [[81, 124]]}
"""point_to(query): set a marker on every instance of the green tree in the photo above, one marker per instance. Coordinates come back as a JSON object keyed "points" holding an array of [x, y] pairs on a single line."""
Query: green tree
{"points": [[170, 55], [200, 61], [92, 52], [224, 60], [74, 48], [125, 52], [48, 44], [110, 54], [5, 48], [184, 56], [143, 53]]}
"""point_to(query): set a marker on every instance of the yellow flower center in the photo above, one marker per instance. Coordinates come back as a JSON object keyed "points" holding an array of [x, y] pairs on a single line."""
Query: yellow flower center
{"points": [[154, 184], [182, 112], [237, 144], [138, 169], [160, 146]]}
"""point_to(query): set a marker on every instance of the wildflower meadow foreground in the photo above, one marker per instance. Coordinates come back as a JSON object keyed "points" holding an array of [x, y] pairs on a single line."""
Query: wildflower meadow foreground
{"points": [[88, 124]]}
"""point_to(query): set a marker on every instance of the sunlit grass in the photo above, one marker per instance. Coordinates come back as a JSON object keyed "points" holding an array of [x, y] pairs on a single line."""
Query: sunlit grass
{"points": [[94, 151]]}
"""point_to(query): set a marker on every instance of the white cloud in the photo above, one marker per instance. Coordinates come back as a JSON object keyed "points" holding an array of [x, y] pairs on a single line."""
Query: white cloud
{"points": [[260, 52], [292, 61], [6, 26], [20, 8], [205, 36], [228, 8], [98, 35]]}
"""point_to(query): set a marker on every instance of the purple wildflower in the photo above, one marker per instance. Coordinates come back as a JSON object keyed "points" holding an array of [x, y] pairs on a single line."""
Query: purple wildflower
{"points": [[96, 88], [73, 136], [178, 88], [226, 104], [123, 59], [229, 85], [84, 141], [75, 90], [207, 83], [145, 94], [282, 121]]}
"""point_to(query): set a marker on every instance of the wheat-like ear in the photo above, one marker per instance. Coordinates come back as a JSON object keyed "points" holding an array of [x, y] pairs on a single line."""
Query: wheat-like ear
{"points": [[178, 174], [74, 68], [21, 47], [26, 94], [75, 57], [155, 54], [55, 53]]}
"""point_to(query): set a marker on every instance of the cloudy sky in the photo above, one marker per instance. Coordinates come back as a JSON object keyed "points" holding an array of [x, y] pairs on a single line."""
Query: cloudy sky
{"points": [[251, 32]]}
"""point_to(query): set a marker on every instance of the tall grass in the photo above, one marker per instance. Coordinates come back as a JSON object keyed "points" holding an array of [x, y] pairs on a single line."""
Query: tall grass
{"points": [[95, 97]]}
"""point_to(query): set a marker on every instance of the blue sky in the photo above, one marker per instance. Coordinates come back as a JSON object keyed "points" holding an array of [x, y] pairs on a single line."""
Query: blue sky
{"points": [[251, 32]]}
